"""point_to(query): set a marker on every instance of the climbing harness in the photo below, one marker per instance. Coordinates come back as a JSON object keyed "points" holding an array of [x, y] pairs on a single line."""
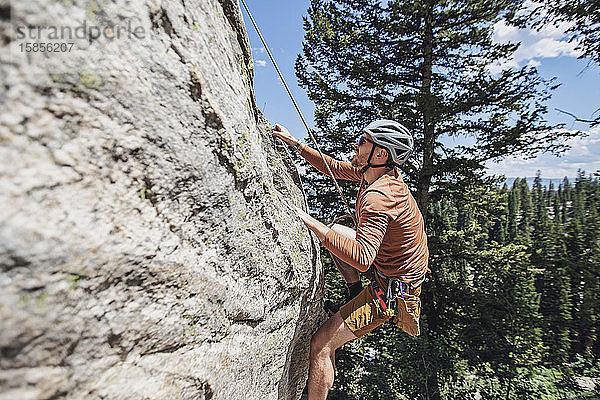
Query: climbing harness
{"points": [[395, 289], [298, 110], [391, 295]]}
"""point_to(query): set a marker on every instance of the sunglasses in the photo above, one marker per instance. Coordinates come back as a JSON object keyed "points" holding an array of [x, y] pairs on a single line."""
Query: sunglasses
{"points": [[363, 139]]}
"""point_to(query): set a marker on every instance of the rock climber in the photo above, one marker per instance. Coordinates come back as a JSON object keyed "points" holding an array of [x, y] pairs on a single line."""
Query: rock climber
{"points": [[389, 243]]}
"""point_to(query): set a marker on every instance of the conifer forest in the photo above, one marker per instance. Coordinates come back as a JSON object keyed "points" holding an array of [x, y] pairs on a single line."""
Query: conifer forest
{"points": [[511, 308]]}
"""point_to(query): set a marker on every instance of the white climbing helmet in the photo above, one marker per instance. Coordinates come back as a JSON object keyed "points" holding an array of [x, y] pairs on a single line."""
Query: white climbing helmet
{"points": [[392, 136]]}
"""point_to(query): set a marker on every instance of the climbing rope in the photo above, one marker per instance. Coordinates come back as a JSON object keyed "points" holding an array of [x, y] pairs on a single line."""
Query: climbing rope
{"points": [[298, 110]]}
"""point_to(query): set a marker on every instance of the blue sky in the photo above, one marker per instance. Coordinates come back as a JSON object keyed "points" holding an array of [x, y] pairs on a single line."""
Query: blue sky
{"points": [[280, 23]]}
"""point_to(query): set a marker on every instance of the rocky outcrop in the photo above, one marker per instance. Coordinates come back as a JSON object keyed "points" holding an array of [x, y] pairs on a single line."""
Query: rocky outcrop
{"points": [[148, 244]]}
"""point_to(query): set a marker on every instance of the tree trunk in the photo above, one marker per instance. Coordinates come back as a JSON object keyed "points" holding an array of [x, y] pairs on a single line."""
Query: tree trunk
{"points": [[427, 108], [422, 195]]}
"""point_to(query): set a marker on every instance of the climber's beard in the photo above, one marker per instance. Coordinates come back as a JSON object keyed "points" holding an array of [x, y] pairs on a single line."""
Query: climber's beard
{"points": [[357, 162]]}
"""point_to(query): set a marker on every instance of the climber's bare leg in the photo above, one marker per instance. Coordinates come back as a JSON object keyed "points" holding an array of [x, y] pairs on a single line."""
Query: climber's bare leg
{"points": [[330, 336], [349, 273]]}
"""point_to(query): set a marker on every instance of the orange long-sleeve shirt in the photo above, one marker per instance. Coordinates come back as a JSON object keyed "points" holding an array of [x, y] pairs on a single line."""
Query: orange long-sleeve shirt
{"points": [[391, 232]]}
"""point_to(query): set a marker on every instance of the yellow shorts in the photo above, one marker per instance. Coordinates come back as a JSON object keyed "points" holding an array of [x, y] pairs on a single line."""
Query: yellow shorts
{"points": [[362, 314]]}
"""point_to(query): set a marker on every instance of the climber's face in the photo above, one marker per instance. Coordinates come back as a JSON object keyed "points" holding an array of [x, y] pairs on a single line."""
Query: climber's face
{"points": [[362, 149]]}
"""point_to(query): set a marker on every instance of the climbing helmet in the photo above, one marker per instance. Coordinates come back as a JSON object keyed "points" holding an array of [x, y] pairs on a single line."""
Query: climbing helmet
{"points": [[392, 136]]}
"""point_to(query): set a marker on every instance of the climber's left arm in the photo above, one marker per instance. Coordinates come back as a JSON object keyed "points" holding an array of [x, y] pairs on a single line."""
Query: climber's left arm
{"points": [[319, 228]]}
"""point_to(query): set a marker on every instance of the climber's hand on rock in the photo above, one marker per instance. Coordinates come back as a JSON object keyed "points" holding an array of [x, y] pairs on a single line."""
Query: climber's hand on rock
{"points": [[314, 225], [304, 216], [282, 133]]}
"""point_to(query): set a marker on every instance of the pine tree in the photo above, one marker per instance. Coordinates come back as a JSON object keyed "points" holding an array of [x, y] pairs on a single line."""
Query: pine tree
{"points": [[540, 222], [426, 64], [494, 320], [576, 247], [551, 196], [591, 285], [525, 214], [566, 200], [557, 302], [499, 232], [549, 254], [514, 205], [594, 206], [505, 329]]}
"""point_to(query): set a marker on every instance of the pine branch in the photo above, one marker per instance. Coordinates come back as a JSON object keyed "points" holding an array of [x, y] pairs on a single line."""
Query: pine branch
{"points": [[587, 121]]}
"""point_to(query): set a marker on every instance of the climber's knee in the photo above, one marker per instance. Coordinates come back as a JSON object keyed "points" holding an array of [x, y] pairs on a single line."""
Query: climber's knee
{"points": [[318, 344], [329, 337]]}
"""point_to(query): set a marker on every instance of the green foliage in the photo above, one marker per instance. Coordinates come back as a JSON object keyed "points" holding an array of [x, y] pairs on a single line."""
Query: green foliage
{"points": [[529, 383]]}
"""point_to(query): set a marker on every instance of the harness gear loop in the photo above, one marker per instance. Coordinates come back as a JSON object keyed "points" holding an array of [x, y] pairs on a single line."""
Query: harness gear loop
{"points": [[299, 112], [395, 289], [382, 298]]}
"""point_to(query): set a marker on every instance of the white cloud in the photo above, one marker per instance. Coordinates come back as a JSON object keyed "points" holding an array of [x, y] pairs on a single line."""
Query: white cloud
{"points": [[549, 42], [546, 47], [556, 31], [505, 33], [261, 63], [584, 155]]}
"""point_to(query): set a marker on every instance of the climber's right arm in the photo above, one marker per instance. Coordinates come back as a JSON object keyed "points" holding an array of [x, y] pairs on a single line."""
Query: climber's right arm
{"points": [[340, 169]]}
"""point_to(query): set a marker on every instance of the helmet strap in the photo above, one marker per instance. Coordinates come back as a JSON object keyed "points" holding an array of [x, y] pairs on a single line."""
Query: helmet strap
{"points": [[369, 165], [366, 167]]}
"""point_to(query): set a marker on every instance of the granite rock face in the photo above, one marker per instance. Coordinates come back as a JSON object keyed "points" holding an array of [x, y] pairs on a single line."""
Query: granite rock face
{"points": [[148, 244]]}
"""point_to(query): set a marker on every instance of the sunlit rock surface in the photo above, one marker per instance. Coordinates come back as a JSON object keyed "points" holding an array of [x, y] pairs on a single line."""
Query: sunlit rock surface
{"points": [[148, 244]]}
